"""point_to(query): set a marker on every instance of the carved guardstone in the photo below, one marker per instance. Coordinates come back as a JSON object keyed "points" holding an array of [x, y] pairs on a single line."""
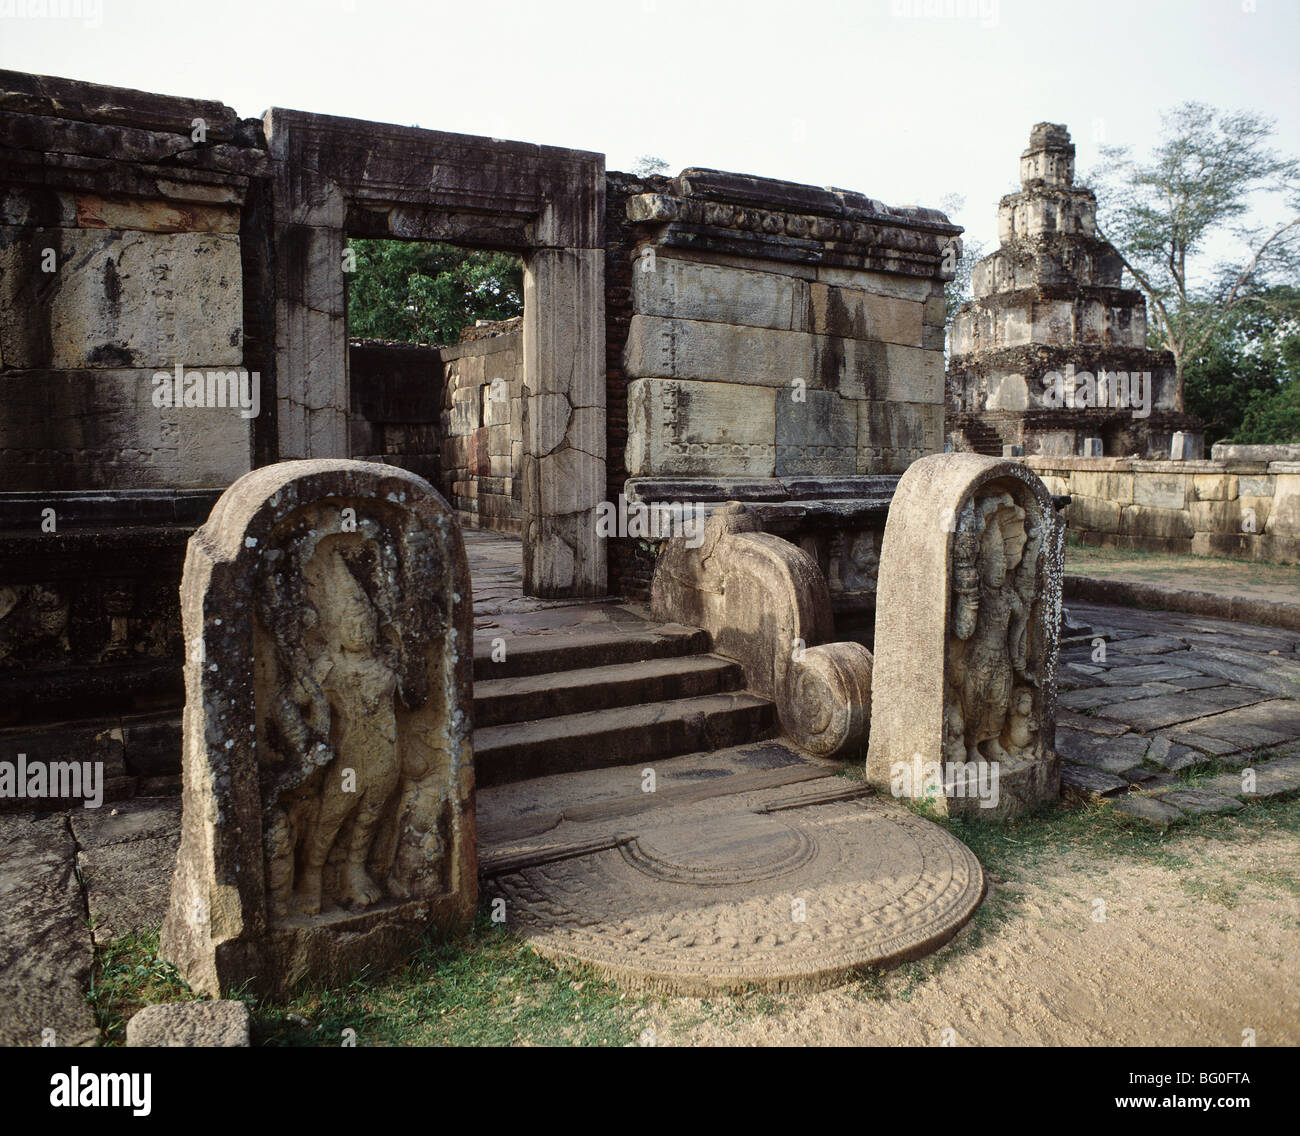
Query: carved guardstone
{"points": [[968, 607], [329, 780]]}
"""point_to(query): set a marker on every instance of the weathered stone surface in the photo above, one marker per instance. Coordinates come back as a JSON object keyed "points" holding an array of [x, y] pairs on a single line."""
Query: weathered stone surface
{"points": [[191, 1025], [45, 948], [122, 299], [127, 884], [1149, 810], [666, 286], [722, 429], [1192, 802], [49, 441], [795, 897], [328, 810], [766, 604], [892, 435], [815, 434], [1083, 781], [965, 670]]}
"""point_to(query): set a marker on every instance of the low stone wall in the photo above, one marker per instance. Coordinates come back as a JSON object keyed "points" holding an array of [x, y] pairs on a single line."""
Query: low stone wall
{"points": [[482, 426], [1243, 504]]}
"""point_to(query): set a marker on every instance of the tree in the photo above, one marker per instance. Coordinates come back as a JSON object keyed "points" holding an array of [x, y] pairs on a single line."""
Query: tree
{"points": [[958, 290], [1247, 368], [1199, 188], [421, 292], [648, 164]]}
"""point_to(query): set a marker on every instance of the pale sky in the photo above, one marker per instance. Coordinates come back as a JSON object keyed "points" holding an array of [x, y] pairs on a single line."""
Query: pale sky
{"points": [[873, 95]]}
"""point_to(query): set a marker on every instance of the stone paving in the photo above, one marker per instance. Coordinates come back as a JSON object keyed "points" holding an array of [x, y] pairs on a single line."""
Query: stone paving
{"points": [[1156, 697]]}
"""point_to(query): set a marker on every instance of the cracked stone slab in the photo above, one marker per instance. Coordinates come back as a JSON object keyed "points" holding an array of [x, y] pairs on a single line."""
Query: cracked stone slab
{"points": [[45, 946], [127, 885], [1171, 709]]}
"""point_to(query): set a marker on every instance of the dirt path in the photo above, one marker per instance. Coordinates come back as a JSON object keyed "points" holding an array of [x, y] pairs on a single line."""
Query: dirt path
{"points": [[1196, 946]]}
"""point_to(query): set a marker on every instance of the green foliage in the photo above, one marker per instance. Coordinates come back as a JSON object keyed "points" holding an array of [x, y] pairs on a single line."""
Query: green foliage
{"points": [[421, 292], [648, 164], [1246, 381], [1199, 191]]}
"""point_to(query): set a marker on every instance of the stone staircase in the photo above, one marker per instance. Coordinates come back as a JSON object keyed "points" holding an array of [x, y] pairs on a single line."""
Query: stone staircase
{"points": [[561, 702]]}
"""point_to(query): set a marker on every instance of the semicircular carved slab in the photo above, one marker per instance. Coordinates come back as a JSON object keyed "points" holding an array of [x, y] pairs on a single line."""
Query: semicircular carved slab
{"points": [[813, 894]]}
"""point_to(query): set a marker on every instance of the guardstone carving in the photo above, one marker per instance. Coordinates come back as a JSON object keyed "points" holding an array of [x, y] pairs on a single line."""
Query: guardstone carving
{"points": [[328, 813], [968, 606]]}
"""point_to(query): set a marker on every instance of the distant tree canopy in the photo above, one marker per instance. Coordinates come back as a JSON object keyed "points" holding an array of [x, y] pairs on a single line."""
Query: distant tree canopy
{"points": [[422, 292], [1245, 383], [1225, 323]]}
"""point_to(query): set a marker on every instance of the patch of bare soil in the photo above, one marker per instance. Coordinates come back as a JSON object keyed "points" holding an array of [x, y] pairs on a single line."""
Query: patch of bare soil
{"points": [[1192, 947]]}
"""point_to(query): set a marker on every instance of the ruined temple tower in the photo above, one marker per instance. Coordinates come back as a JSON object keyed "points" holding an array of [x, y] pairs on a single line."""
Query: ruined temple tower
{"points": [[1051, 353]]}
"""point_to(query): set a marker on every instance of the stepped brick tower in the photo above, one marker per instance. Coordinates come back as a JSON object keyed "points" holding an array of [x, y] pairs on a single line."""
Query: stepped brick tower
{"points": [[1051, 354]]}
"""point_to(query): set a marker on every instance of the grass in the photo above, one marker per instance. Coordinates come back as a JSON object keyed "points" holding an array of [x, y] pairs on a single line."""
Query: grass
{"points": [[488, 987]]}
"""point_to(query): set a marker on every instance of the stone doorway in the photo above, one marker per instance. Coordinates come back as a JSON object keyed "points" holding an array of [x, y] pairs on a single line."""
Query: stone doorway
{"points": [[338, 178]]}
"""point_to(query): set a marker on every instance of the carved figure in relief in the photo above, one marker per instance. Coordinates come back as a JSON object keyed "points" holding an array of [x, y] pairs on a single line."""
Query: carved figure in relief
{"points": [[359, 683], [353, 813], [996, 550]]}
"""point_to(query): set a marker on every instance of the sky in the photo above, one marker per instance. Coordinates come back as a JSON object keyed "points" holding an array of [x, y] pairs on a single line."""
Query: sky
{"points": [[912, 102]]}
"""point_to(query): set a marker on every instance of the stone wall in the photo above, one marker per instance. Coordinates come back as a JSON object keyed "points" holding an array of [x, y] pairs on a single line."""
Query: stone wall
{"points": [[1246, 503], [120, 257], [396, 394], [482, 425], [782, 342]]}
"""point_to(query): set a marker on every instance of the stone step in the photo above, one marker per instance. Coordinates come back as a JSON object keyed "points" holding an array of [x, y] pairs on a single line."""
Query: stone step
{"points": [[576, 650], [501, 701], [597, 739]]}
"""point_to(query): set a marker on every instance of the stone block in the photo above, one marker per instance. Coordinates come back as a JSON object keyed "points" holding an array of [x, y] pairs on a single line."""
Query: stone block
{"points": [[1157, 524], [100, 429], [722, 429], [189, 1025], [120, 299], [892, 435], [1161, 490], [1094, 514], [964, 529], [682, 289], [1214, 486], [816, 435], [1250, 486], [853, 314], [1117, 487], [154, 216], [466, 411], [1214, 516]]}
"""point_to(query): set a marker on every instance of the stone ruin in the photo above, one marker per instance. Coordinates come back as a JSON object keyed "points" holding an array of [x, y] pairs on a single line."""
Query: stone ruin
{"points": [[1048, 304], [766, 353], [329, 781]]}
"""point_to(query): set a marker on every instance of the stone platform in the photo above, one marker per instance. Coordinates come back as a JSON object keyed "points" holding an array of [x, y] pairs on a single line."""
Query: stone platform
{"points": [[753, 867]]}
